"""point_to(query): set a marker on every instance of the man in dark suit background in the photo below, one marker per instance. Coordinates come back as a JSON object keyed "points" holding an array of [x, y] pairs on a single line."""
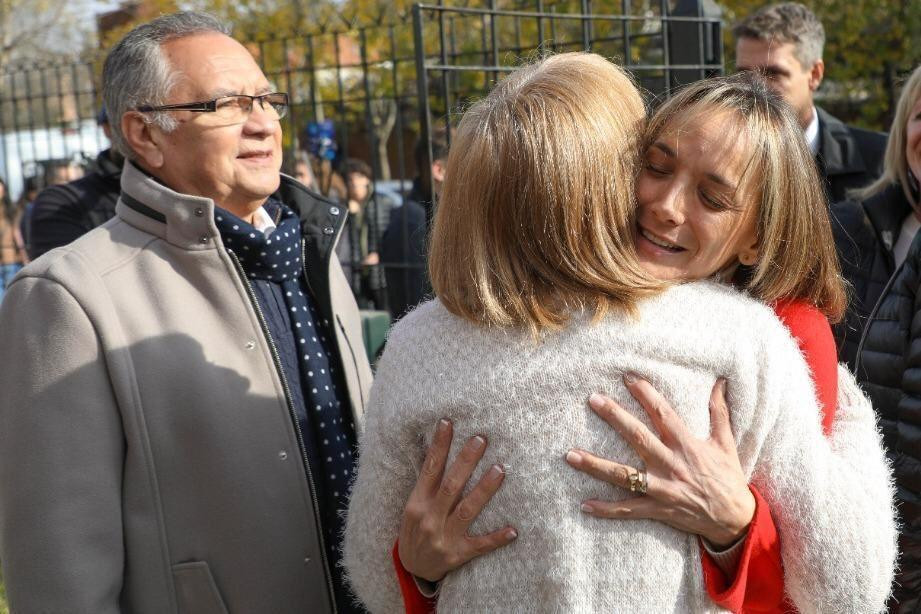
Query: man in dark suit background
{"points": [[784, 42]]}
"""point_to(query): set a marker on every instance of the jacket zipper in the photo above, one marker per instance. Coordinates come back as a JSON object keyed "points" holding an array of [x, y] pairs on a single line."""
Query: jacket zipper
{"points": [[890, 259], [872, 316], [292, 414]]}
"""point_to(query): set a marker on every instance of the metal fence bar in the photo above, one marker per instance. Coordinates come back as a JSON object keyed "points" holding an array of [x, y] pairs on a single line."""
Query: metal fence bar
{"points": [[357, 75], [574, 16], [445, 79], [28, 98], [6, 155], [493, 42], [422, 86], [541, 35]]}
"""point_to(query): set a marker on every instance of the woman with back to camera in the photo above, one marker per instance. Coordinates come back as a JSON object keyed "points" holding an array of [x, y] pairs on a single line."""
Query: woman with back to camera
{"points": [[540, 300], [11, 251]]}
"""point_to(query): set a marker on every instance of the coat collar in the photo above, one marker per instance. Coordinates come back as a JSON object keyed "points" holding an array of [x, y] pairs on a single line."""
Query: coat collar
{"points": [[187, 221], [886, 212], [838, 150]]}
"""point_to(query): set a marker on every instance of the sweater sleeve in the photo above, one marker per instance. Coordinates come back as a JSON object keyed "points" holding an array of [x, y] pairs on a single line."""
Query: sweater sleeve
{"points": [[390, 459], [413, 599], [758, 582], [832, 500]]}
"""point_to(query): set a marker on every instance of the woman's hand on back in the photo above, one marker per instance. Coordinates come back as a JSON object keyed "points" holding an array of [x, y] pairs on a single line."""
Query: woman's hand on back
{"points": [[694, 485], [433, 536]]}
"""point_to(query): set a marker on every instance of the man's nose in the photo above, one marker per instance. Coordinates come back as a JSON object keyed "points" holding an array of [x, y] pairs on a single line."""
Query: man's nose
{"points": [[262, 120]]}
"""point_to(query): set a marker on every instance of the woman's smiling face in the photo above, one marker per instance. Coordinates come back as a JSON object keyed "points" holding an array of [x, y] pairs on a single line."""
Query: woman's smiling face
{"points": [[913, 139], [697, 213]]}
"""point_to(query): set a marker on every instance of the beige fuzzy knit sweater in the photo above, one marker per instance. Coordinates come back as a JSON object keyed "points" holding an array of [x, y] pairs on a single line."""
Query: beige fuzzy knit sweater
{"points": [[831, 499]]}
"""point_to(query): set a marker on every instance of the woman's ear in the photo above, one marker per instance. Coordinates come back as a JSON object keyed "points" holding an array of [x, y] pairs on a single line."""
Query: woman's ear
{"points": [[139, 134], [749, 254]]}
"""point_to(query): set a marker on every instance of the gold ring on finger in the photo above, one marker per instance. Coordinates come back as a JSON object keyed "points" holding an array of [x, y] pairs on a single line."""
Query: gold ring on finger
{"points": [[639, 482]]}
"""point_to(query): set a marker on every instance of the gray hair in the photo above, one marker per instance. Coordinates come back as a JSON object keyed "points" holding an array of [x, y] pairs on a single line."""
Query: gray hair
{"points": [[789, 22], [136, 72]]}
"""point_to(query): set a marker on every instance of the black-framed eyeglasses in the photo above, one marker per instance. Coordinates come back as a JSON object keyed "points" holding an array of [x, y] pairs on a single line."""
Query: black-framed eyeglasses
{"points": [[235, 108]]}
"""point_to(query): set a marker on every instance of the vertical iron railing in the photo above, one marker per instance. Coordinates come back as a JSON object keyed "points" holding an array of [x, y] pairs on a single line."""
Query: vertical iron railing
{"points": [[643, 40], [384, 86]]}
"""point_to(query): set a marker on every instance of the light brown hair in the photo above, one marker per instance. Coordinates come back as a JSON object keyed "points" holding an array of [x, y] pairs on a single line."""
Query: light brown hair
{"points": [[895, 164], [536, 218], [796, 256]]}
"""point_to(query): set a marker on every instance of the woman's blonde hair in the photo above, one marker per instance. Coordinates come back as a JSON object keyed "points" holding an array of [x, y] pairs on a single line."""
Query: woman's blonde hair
{"points": [[797, 258], [536, 216], [895, 164]]}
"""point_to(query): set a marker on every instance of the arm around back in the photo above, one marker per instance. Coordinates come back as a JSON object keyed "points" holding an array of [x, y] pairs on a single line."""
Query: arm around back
{"points": [[61, 454], [757, 585], [831, 498]]}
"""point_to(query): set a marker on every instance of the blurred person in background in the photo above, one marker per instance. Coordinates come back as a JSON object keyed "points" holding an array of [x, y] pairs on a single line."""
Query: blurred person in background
{"points": [[30, 189], [64, 212], [874, 229], [304, 173], [331, 183], [784, 42], [368, 215], [319, 138], [65, 172], [881, 256], [888, 361], [403, 246], [10, 240]]}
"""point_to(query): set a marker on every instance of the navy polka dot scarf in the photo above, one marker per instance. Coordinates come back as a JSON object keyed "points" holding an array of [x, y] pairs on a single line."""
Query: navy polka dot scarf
{"points": [[277, 258]]}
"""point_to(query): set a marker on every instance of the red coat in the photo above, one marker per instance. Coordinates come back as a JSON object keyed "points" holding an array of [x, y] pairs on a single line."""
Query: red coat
{"points": [[758, 583]]}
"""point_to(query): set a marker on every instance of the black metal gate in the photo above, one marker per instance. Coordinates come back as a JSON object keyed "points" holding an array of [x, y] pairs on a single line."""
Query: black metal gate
{"points": [[462, 51]]}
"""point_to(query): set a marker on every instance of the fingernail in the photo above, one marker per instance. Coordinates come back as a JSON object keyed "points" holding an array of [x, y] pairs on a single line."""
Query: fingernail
{"points": [[511, 534], [479, 442], [496, 471], [588, 509], [573, 457], [630, 378], [443, 424], [596, 401]]}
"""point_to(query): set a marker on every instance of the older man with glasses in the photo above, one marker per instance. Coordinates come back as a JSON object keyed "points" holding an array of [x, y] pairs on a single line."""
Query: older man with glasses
{"points": [[180, 388]]}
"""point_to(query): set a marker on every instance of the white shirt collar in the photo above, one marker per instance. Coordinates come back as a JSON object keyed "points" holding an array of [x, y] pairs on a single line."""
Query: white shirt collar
{"points": [[263, 222], [812, 133]]}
